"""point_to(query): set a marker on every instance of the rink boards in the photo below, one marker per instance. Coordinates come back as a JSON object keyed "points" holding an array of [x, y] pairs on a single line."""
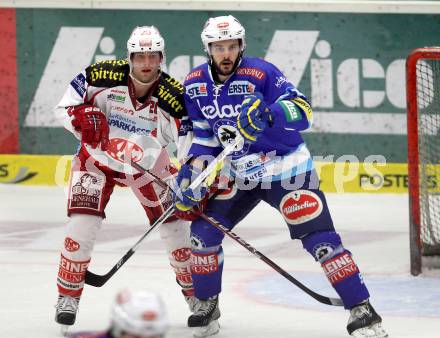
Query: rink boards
{"points": [[337, 176]]}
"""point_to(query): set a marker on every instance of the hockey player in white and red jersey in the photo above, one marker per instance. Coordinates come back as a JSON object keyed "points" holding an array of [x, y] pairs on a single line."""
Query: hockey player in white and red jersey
{"points": [[122, 111]]}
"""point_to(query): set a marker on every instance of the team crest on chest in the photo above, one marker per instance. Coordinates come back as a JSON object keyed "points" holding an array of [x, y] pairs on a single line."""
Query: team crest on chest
{"points": [[227, 131]]}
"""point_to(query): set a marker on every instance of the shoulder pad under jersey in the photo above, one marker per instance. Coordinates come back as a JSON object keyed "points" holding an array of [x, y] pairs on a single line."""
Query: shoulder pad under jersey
{"points": [[109, 73], [169, 93]]}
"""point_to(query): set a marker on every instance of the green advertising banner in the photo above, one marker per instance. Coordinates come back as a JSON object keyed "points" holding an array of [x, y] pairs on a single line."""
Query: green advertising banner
{"points": [[351, 66]]}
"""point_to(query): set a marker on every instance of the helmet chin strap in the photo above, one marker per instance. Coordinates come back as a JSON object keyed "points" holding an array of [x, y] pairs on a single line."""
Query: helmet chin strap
{"points": [[145, 83]]}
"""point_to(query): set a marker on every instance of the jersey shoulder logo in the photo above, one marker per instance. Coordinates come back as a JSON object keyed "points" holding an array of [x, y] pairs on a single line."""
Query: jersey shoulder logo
{"points": [[109, 73], [194, 74], [169, 93], [196, 89], [252, 72], [79, 84]]}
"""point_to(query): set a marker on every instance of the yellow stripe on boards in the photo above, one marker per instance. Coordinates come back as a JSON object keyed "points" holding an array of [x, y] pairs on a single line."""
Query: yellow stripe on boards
{"points": [[338, 177]]}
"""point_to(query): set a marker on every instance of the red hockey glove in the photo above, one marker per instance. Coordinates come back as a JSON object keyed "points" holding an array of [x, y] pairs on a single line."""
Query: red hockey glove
{"points": [[92, 124]]}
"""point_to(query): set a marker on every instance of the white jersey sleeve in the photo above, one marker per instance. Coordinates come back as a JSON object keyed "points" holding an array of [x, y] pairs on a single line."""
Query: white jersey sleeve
{"points": [[174, 125], [75, 95]]}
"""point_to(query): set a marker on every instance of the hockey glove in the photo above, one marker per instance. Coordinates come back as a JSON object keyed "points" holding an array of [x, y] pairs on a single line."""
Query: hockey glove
{"points": [[220, 184], [187, 198], [254, 117], [91, 122], [194, 212]]}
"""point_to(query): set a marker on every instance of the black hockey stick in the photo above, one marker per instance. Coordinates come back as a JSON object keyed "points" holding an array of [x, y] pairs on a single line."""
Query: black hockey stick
{"points": [[246, 245], [99, 280], [271, 263]]}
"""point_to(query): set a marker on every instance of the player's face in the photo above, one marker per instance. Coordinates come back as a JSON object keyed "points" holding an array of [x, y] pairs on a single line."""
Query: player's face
{"points": [[145, 65], [224, 54]]}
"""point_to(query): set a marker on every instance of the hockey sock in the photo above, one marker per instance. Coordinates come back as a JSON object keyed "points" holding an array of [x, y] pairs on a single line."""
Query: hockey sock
{"points": [[76, 253], [206, 270], [337, 262], [176, 237]]}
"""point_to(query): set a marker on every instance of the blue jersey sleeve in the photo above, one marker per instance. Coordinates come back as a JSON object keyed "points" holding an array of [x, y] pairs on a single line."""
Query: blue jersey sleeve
{"points": [[205, 142], [290, 108]]}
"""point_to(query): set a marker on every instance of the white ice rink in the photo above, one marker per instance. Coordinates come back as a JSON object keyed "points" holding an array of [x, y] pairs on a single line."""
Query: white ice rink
{"points": [[256, 302]]}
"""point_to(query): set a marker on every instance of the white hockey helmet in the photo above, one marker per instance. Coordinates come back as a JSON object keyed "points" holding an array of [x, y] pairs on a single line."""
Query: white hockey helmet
{"points": [[141, 313], [145, 39], [222, 28]]}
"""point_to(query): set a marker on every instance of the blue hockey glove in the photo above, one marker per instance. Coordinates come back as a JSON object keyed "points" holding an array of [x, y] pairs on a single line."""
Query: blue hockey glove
{"points": [[187, 198], [254, 117]]}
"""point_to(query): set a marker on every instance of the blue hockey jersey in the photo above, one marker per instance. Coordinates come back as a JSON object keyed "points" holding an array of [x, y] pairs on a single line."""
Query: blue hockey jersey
{"points": [[280, 151]]}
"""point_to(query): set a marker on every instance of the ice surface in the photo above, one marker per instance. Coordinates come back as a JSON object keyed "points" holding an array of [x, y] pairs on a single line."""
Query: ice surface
{"points": [[256, 302]]}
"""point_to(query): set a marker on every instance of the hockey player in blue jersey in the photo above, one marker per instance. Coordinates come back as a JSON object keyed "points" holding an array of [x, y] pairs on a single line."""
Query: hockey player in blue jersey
{"points": [[134, 315], [233, 96]]}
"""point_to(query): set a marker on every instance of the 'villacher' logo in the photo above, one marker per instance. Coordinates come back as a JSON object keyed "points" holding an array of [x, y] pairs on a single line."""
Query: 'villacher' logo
{"points": [[300, 206]]}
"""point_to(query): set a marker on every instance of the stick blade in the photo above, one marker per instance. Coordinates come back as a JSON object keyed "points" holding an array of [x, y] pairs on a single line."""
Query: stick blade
{"points": [[95, 280]]}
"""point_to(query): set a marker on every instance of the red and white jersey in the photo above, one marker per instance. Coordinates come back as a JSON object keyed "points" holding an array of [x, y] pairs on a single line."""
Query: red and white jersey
{"points": [[137, 129]]}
